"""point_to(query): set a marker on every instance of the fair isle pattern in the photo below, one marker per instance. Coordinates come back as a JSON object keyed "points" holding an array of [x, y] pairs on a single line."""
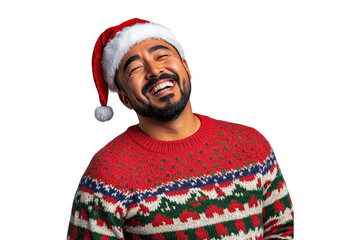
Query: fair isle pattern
{"points": [[226, 184]]}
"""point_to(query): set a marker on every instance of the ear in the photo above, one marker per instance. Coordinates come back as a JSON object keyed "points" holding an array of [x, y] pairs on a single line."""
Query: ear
{"points": [[124, 99], [186, 67]]}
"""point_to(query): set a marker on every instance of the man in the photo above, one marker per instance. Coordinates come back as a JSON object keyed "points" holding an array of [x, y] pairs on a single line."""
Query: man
{"points": [[175, 175]]}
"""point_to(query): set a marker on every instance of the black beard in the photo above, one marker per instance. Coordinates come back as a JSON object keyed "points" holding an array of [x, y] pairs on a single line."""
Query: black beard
{"points": [[170, 112]]}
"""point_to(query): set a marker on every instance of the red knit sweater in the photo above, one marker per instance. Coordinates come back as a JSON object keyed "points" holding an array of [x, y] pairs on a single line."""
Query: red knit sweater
{"points": [[223, 182]]}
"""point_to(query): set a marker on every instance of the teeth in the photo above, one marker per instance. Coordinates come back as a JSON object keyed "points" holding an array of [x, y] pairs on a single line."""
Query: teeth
{"points": [[161, 86]]}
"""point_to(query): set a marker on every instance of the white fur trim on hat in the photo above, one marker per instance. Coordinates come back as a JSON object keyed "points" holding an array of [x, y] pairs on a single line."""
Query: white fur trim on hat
{"points": [[117, 47], [104, 113]]}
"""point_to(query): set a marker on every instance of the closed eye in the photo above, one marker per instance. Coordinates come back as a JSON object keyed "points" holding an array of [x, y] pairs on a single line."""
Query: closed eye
{"points": [[133, 69], [162, 56]]}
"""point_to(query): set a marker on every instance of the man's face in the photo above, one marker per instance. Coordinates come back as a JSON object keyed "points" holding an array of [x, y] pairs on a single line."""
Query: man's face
{"points": [[154, 80]]}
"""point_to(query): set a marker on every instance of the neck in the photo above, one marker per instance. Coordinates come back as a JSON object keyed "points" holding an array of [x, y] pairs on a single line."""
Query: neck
{"points": [[182, 127]]}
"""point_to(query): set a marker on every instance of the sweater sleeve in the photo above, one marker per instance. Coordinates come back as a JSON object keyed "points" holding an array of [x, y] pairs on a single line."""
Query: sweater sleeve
{"points": [[278, 215], [95, 215]]}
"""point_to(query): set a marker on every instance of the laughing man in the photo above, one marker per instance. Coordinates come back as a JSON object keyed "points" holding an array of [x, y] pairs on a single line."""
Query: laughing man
{"points": [[176, 174]]}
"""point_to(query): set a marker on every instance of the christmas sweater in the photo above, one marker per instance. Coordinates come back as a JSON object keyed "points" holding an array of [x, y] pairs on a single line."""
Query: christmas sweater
{"points": [[222, 182]]}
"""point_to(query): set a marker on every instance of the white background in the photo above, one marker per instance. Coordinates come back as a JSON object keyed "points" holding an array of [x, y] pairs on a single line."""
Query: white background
{"points": [[288, 68]]}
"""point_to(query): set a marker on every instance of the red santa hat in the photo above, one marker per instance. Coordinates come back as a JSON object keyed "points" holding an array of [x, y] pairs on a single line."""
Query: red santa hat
{"points": [[111, 47]]}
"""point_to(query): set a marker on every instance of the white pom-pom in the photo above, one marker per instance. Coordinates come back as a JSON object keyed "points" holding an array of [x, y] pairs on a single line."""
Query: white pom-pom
{"points": [[104, 113]]}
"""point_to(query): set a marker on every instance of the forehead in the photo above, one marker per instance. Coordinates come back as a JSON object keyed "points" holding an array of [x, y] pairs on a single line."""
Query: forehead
{"points": [[144, 47]]}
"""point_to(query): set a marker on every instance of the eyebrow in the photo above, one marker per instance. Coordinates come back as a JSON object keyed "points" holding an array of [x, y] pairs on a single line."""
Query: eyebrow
{"points": [[130, 60], [157, 47]]}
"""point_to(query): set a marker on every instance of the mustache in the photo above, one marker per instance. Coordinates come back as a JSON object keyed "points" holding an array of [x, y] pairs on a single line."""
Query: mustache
{"points": [[153, 81]]}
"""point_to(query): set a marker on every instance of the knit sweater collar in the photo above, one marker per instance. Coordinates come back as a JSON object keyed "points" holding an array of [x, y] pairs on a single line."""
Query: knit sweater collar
{"points": [[200, 136]]}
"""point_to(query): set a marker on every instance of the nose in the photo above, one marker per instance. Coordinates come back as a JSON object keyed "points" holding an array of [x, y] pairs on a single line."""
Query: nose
{"points": [[154, 69]]}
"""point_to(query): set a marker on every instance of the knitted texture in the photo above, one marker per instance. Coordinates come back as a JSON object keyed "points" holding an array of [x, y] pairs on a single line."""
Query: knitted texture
{"points": [[223, 182]]}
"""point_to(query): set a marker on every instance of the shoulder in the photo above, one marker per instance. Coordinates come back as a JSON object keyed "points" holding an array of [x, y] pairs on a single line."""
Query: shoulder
{"points": [[108, 161], [249, 138], [232, 128]]}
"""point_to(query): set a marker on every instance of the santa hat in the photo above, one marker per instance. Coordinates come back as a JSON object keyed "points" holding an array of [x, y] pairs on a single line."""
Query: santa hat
{"points": [[111, 47]]}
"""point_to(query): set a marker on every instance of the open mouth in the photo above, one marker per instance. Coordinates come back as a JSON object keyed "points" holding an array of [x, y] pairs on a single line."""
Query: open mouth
{"points": [[160, 88]]}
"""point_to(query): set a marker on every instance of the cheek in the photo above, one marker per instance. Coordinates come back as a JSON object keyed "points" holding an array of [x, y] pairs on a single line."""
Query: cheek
{"points": [[176, 67], [135, 84]]}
